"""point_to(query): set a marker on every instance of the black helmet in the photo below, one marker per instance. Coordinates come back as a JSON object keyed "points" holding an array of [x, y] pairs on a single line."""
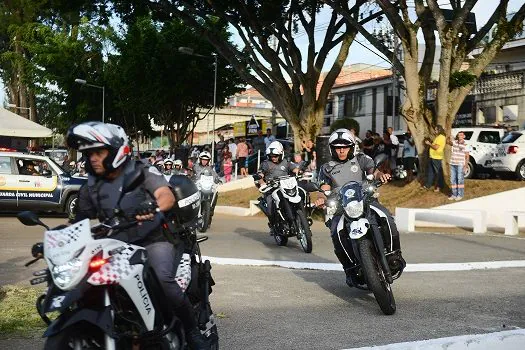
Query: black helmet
{"points": [[186, 209], [93, 135]]}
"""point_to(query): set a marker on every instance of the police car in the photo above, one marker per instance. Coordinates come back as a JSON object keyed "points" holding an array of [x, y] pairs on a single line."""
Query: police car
{"points": [[33, 182]]}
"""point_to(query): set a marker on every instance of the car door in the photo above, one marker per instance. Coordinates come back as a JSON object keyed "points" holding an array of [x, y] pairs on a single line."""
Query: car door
{"points": [[8, 184], [38, 191], [486, 145]]}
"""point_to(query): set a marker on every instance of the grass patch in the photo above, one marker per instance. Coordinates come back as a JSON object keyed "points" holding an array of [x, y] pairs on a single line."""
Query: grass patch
{"points": [[18, 315], [397, 194]]}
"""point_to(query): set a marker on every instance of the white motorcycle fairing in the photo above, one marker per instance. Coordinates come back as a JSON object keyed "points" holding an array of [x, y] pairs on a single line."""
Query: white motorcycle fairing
{"points": [[74, 246], [290, 184]]}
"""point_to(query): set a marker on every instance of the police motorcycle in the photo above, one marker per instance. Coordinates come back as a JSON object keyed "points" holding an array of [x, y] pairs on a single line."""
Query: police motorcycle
{"points": [[107, 295], [290, 209], [208, 190], [377, 265]]}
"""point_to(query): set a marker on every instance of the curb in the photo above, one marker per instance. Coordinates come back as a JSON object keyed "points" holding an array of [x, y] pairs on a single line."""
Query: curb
{"points": [[506, 340], [238, 211]]}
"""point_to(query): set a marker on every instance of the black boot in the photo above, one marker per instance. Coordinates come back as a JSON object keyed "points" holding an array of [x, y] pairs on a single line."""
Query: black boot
{"points": [[197, 341]]}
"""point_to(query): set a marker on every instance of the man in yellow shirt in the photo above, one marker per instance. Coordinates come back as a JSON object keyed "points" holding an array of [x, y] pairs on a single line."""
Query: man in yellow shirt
{"points": [[436, 153]]}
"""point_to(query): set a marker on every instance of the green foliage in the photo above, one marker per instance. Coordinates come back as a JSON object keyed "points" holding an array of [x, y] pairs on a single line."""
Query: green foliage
{"points": [[346, 123], [17, 310], [461, 78]]}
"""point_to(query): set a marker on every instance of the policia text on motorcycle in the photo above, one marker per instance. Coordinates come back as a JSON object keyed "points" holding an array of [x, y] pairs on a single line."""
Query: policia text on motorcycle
{"points": [[108, 153]]}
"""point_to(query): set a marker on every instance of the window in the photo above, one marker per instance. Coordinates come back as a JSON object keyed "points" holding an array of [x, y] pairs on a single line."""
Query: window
{"points": [[489, 137], [33, 167], [468, 134], [328, 110], [511, 137], [5, 165]]}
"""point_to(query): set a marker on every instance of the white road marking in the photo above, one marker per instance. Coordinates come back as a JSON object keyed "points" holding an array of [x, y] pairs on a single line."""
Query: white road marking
{"points": [[506, 340], [431, 267]]}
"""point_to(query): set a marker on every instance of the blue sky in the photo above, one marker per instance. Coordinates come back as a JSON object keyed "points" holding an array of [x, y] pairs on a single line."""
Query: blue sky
{"points": [[358, 53]]}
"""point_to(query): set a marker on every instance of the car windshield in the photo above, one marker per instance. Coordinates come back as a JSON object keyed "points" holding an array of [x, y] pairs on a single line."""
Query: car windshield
{"points": [[511, 137], [58, 165]]}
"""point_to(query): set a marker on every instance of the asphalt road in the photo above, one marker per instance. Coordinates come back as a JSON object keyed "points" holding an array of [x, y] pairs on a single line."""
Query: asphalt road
{"points": [[277, 308]]}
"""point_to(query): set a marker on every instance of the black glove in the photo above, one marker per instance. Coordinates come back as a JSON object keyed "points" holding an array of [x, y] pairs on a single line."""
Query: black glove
{"points": [[147, 207]]}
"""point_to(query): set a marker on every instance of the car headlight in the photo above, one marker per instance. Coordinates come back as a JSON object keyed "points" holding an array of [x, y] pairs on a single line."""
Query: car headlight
{"points": [[354, 209], [63, 274]]}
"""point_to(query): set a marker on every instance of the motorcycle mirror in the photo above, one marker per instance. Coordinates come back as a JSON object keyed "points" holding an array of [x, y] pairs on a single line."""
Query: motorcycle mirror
{"points": [[132, 181], [29, 218], [380, 159]]}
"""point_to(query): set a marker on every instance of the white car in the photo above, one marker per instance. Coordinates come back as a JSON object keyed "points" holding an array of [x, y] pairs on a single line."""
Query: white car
{"points": [[483, 144], [510, 155]]}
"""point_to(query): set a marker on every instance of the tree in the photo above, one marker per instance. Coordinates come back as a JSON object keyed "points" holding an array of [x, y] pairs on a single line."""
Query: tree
{"points": [[269, 58], [151, 79], [458, 72], [345, 123]]}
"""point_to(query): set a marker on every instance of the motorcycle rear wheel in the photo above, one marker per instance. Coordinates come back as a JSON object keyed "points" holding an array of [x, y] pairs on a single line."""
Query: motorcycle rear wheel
{"points": [[304, 233], [91, 338], [205, 219], [375, 278]]}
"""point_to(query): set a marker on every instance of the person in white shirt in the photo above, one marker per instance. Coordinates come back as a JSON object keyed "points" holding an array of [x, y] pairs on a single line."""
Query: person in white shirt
{"points": [[394, 141], [232, 147], [269, 137]]}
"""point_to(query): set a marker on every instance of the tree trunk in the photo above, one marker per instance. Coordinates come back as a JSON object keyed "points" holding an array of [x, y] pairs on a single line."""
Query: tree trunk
{"points": [[307, 125]]}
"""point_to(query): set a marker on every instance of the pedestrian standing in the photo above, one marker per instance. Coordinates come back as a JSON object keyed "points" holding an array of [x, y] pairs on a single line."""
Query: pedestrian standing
{"points": [[242, 155], [259, 146], [368, 144], [269, 138], [227, 166], [409, 156], [436, 154], [394, 146], [458, 166]]}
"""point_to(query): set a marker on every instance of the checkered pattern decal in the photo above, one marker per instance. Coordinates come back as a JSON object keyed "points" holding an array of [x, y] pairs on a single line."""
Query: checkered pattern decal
{"points": [[116, 269], [183, 276], [60, 246]]}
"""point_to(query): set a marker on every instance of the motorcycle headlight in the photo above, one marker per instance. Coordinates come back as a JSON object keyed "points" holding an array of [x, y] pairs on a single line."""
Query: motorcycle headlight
{"points": [[64, 274], [354, 209]]}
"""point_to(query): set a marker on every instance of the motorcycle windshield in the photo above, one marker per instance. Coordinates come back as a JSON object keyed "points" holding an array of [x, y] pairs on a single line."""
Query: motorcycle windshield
{"points": [[289, 183], [60, 246], [351, 191], [206, 182]]}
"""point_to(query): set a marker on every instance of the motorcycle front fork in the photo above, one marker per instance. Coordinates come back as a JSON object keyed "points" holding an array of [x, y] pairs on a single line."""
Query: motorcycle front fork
{"points": [[108, 341]]}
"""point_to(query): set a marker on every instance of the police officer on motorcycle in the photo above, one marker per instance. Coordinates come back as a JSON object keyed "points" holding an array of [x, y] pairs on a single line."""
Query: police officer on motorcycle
{"points": [[347, 164], [274, 166], [108, 163], [178, 169], [167, 167], [204, 164]]}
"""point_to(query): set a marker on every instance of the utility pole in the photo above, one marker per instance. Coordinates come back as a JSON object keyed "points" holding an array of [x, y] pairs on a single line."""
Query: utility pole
{"points": [[394, 83]]}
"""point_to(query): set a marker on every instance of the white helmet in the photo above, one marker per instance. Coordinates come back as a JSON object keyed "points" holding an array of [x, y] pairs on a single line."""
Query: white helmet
{"points": [[205, 155], [93, 135], [167, 161], [342, 138], [275, 148], [177, 162]]}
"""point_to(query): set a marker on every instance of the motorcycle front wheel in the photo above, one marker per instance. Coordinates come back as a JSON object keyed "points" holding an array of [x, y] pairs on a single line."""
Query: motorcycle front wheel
{"points": [[87, 336], [280, 238], [304, 234], [375, 278], [204, 223]]}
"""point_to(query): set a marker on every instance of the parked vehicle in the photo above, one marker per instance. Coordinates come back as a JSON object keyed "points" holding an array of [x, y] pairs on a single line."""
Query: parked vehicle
{"points": [[32, 182], [483, 144], [378, 265], [106, 294], [510, 154], [208, 192], [290, 209]]}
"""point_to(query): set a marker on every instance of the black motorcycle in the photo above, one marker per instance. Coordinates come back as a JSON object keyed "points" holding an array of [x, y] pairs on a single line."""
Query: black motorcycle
{"points": [[290, 210], [377, 265], [106, 293]]}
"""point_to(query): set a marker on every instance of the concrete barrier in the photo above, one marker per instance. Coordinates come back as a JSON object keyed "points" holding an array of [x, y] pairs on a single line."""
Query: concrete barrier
{"points": [[406, 218], [511, 222]]}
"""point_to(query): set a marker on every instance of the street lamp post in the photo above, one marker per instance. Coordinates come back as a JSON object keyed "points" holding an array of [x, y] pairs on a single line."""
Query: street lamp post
{"points": [[190, 51], [103, 88]]}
